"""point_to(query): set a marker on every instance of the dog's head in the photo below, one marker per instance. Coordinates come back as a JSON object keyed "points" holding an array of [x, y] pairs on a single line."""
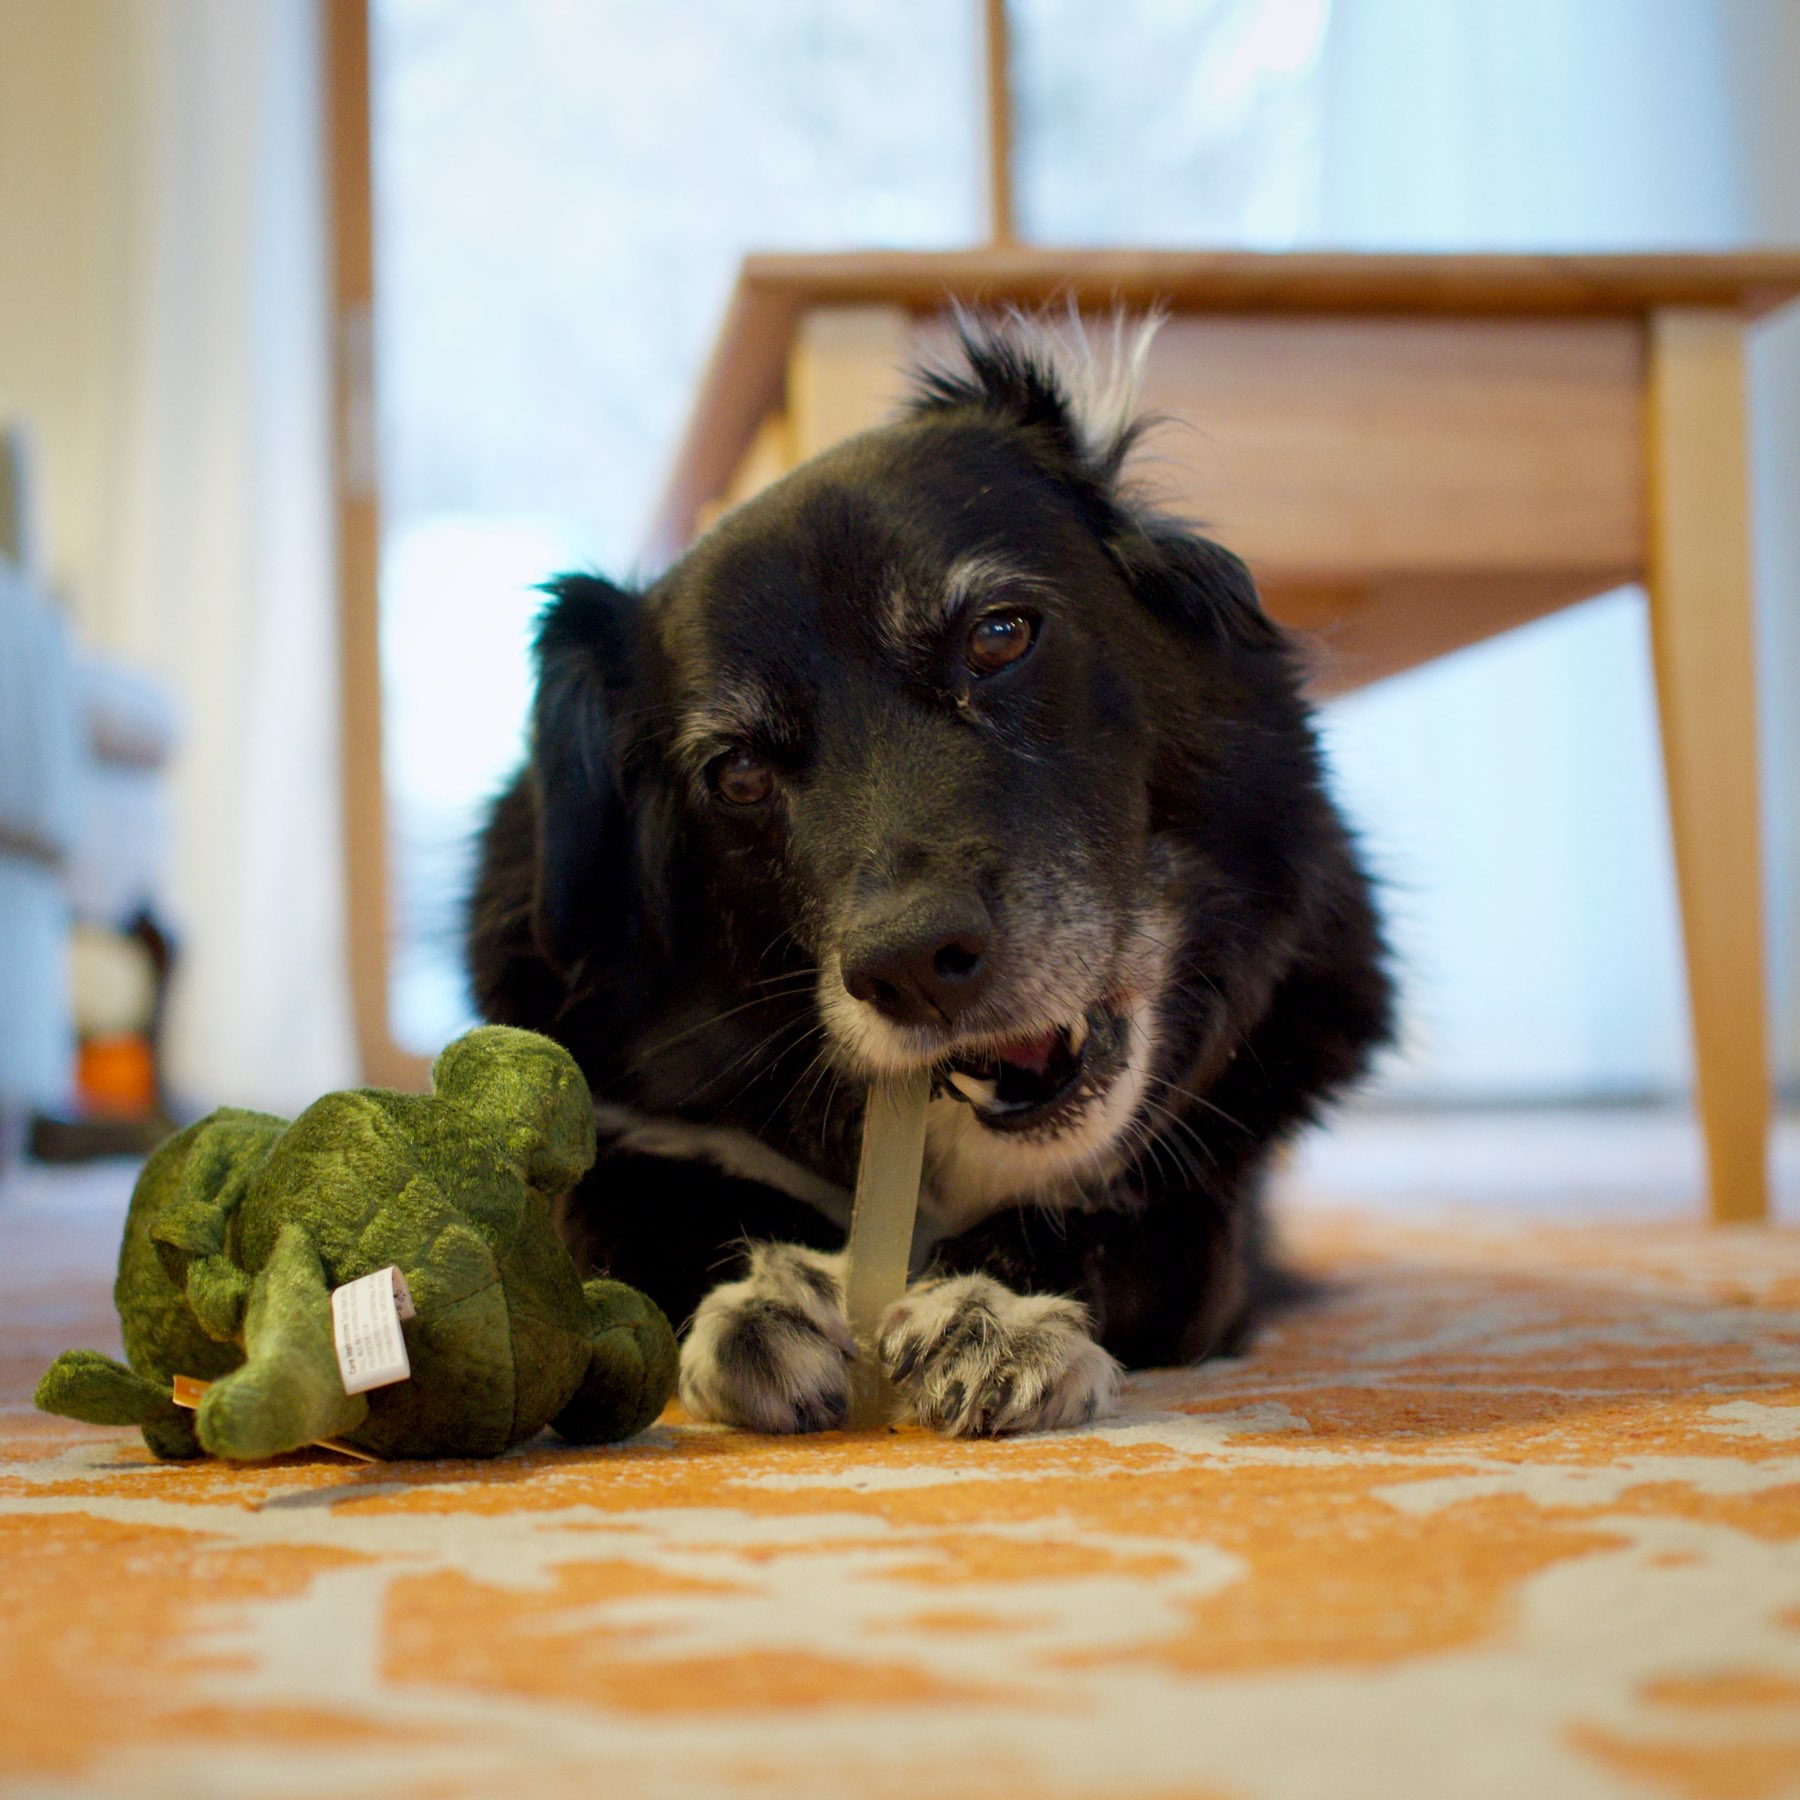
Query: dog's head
{"points": [[947, 743]]}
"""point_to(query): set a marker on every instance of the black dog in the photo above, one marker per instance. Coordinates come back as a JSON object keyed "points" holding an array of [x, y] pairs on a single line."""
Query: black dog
{"points": [[942, 751]]}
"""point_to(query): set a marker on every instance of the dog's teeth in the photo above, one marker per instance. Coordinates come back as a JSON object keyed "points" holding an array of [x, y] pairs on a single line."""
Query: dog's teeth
{"points": [[1078, 1035], [973, 1089]]}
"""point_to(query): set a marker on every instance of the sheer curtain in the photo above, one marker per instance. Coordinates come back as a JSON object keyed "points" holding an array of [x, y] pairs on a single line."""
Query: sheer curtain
{"points": [[1527, 853], [177, 365], [221, 566]]}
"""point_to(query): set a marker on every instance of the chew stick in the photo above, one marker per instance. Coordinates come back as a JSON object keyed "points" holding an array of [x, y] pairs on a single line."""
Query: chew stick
{"points": [[881, 1229]]}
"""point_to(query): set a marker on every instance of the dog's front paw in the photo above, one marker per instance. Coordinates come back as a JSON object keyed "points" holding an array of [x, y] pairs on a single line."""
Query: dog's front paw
{"points": [[772, 1352], [975, 1359]]}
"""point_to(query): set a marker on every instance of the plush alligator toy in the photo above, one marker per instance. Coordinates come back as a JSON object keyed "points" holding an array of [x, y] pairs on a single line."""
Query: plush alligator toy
{"points": [[241, 1227]]}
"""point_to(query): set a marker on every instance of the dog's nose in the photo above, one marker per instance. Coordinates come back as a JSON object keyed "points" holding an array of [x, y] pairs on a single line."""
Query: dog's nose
{"points": [[921, 976]]}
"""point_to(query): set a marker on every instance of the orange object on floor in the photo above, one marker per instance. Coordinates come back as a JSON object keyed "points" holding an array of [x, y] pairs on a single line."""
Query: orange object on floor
{"points": [[115, 1077]]}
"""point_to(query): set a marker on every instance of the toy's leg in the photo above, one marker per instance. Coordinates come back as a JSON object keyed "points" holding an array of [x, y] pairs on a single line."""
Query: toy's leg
{"points": [[289, 1391], [631, 1367], [83, 1384]]}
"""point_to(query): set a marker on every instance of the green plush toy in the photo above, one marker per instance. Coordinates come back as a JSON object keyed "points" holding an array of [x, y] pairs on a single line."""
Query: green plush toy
{"points": [[242, 1226]]}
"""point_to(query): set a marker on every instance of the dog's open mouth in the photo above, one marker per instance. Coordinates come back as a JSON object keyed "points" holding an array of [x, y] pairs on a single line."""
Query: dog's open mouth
{"points": [[1016, 1084]]}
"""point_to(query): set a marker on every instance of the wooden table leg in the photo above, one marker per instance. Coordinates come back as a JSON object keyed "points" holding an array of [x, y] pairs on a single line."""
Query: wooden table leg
{"points": [[1702, 632]]}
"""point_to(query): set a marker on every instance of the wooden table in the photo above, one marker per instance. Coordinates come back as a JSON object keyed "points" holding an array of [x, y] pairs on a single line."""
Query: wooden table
{"points": [[1413, 453]]}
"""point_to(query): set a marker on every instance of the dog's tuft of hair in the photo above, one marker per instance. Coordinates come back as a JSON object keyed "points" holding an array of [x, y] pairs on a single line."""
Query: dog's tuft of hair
{"points": [[1044, 373]]}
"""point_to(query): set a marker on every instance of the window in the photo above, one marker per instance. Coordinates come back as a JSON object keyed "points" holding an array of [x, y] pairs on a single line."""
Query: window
{"points": [[563, 192]]}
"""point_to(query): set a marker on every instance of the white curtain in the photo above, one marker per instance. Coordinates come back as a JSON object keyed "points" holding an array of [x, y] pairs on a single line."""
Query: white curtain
{"points": [[176, 360], [1527, 853]]}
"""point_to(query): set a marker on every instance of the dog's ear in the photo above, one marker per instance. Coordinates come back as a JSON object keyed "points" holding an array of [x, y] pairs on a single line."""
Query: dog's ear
{"points": [[585, 668], [1194, 585]]}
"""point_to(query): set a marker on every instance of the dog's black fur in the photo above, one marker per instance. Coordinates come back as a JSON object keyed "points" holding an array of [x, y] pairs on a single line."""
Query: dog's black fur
{"points": [[1128, 816]]}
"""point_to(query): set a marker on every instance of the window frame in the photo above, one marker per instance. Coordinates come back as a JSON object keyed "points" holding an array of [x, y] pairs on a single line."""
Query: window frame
{"points": [[349, 183]]}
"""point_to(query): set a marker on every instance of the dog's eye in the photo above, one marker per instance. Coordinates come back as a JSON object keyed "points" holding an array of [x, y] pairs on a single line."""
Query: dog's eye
{"points": [[997, 639], [742, 778]]}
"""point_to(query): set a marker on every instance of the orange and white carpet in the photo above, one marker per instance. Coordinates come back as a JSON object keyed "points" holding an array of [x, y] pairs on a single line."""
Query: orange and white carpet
{"points": [[1514, 1512]]}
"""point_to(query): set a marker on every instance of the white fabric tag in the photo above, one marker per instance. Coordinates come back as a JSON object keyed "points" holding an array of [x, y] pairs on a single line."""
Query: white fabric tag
{"points": [[365, 1320]]}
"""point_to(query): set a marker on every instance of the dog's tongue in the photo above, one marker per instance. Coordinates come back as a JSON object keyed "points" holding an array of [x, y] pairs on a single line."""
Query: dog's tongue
{"points": [[1032, 1053]]}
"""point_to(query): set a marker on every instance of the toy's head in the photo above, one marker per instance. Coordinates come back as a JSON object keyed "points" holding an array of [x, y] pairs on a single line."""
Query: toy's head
{"points": [[530, 1095]]}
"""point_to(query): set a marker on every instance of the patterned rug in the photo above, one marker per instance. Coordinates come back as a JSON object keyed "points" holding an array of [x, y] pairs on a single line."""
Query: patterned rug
{"points": [[1512, 1512]]}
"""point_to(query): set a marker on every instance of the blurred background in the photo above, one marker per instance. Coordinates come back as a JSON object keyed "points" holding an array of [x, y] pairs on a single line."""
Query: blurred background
{"points": [[562, 192]]}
